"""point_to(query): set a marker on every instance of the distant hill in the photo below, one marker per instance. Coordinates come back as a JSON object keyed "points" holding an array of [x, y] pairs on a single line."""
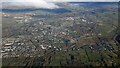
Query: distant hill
{"points": [[65, 7], [59, 10]]}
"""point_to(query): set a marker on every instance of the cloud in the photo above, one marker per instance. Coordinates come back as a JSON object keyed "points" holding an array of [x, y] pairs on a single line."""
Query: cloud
{"points": [[45, 3], [30, 3], [82, 0], [60, 0]]}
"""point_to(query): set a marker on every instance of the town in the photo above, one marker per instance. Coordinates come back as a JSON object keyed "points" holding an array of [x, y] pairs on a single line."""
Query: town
{"points": [[74, 38]]}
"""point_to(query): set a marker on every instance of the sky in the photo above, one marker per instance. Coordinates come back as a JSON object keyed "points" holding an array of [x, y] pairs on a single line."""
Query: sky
{"points": [[46, 3], [62, 0]]}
